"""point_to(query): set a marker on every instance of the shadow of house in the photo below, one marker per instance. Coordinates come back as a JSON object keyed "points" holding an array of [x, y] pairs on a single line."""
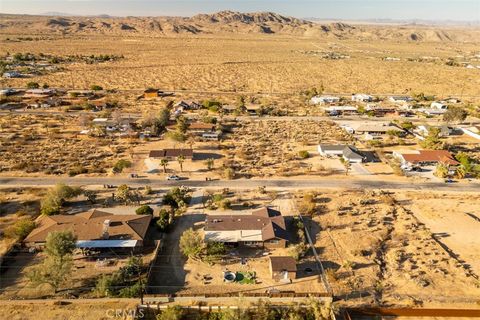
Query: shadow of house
{"points": [[207, 155]]}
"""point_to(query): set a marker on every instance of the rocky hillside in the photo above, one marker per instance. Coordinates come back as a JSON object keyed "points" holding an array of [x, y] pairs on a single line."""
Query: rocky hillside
{"points": [[224, 22]]}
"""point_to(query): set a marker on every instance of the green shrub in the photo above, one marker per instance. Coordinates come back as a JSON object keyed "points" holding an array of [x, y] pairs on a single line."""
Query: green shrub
{"points": [[144, 210], [20, 229], [120, 165], [33, 85], [303, 154], [96, 87]]}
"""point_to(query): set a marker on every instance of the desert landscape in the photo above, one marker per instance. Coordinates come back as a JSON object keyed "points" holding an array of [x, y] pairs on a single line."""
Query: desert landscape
{"points": [[237, 165]]}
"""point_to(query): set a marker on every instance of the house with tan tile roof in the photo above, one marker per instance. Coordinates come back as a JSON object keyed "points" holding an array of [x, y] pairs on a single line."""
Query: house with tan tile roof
{"points": [[264, 227], [94, 229]]}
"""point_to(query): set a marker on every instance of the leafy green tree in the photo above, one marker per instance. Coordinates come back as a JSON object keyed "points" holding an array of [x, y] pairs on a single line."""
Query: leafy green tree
{"points": [[176, 198], [124, 193], [432, 141], [145, 209], [57, 266], [191, 243], [60, 244], [176, 136], [182, 124], [163, 221], [55, 198], [465, 160], [171, 313]]}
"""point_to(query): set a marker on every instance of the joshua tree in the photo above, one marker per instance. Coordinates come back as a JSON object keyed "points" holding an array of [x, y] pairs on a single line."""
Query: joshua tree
{"points": [[209, 163], [164, 164], [180, 160]]}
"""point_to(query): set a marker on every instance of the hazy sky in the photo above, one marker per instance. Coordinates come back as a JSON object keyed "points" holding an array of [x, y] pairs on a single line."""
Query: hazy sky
{"points": [[459, 10]]}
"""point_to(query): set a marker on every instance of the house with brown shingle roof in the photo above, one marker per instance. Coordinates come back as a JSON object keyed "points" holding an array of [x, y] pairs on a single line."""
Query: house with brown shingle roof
{"points": [[171, 154], [283, 268], [262, 228], [94, 229]]}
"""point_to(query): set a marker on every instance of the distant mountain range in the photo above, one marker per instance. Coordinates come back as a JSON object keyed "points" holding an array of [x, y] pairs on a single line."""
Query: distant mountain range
{"points": [[224, 22]]}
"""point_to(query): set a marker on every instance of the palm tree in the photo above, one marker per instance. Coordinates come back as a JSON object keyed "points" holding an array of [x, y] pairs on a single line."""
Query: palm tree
{"points": [[181, 159], [164, 164]]}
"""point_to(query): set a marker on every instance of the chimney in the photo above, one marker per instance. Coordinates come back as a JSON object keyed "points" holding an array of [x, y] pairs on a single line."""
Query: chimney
{"points": [[106, 225]]}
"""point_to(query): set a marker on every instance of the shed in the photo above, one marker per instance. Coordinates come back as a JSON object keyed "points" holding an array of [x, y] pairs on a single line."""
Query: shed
{"points": [[283, 268]]}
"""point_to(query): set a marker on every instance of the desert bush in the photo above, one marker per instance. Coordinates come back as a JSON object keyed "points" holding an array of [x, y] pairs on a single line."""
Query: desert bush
{"points": [[56, 197], [33, 85], [20, 229], [229, 173], [145, 209], [120, 165], [303, 154], [95, 87]]}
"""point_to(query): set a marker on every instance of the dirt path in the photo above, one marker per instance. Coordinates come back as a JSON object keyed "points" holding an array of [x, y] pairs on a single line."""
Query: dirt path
{"points": [[168, 271]]}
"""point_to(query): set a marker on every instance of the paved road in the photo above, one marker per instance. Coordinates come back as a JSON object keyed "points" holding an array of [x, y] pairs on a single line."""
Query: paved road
{"points": [[323, 183]]}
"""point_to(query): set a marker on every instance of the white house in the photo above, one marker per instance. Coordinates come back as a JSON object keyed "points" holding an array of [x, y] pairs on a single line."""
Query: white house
{"points": [[402, 99], [423, 129], [348, 153], [360, 97], [324, 99], [438, 105], [335, 110]]}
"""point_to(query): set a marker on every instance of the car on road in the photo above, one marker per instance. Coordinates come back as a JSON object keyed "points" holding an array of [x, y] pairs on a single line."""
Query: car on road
{"points": [[173, 177]]}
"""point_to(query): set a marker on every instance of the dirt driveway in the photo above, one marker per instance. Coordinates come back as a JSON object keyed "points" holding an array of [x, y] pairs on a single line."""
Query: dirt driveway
{"points": [[168, 273]]}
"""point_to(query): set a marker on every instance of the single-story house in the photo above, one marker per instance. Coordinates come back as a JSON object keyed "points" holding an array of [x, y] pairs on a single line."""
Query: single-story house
{"points": [[212, 136], [338, 110], [38, 93], [324, 99], [425, 158], [94, 229], [348, 153], [377, 130], [401, 99], [423, 130], [380, 110], [360, 97], [227, 108], [283, 268], [201, 127], [432, 112], [438, 105], [264, 227], [7, 92], [171, 154], [12, 74], [188, 105]]}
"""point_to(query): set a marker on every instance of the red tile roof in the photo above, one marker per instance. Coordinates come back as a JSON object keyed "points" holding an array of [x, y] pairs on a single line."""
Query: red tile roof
{"points": [[442, 156]]}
